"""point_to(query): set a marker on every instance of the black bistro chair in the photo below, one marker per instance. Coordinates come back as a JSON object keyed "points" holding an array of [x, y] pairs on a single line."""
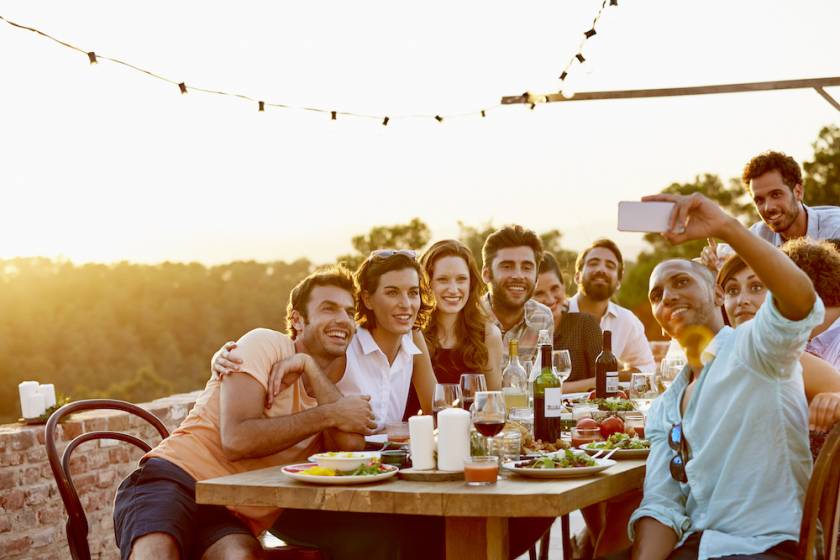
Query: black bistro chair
{"points": [[77, 525]]}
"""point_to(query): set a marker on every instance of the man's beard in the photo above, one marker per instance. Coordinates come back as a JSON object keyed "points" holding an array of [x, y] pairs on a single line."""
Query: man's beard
{"points": [[599, 292], [500, 298]]}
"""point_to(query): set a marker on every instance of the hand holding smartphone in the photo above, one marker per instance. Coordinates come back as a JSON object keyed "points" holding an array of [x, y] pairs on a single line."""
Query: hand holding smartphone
{"points": [[653, 216]]}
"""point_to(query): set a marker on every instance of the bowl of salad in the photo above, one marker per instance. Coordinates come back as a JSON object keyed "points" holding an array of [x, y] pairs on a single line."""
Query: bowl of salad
{"points": [[343, 461]]}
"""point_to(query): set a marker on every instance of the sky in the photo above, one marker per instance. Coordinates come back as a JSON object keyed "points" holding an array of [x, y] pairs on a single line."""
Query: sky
{"points": [[101, 163]]}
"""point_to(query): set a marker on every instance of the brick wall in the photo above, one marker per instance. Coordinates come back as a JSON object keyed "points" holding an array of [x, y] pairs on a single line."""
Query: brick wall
{"points": [[32, 514]]}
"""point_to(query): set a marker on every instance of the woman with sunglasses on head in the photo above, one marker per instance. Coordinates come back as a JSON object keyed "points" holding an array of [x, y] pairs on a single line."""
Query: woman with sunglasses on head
{"points": [[389, 355], [743, 294], [459, 334]]}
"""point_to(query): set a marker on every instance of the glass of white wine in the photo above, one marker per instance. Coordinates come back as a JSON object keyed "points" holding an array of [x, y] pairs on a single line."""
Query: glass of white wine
{"points": [[643, 390], [670, 369]]}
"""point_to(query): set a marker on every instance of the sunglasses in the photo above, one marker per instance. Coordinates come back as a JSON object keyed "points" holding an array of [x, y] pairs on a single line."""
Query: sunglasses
{"points": [[388, 253], [677, 442]]}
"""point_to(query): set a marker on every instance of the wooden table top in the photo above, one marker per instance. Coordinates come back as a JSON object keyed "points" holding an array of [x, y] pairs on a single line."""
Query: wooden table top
{"points": [[514, 496]]}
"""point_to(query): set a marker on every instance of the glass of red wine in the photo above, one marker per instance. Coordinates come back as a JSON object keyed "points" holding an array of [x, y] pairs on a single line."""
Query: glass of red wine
{"points": [[488, 414], [471, 383]]}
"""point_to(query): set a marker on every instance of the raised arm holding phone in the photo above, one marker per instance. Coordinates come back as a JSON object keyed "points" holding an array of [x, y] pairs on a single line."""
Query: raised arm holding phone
{"points": [[714, 487]]}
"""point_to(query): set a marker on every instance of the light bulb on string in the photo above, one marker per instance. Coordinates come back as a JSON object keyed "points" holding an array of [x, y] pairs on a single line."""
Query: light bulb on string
{"points": [[568, 91]]}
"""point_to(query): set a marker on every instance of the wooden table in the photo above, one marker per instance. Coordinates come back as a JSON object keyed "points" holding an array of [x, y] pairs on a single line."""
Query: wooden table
{"points": [[476, 517]]}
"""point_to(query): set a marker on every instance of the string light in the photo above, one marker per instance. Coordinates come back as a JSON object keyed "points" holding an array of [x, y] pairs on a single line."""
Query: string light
{"points": [[93, 58], [588, 34]]}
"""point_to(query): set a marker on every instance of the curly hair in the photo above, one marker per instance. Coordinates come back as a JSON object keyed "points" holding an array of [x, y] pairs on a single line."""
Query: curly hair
{"points": [[507, 237], [821, 262], [367, 280], [773, 161], [337, 276], [602, 243], [472, 320]]}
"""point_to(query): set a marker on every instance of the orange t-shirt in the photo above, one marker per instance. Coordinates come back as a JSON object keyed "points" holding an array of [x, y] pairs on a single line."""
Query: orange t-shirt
{"points": [[196, 445]]}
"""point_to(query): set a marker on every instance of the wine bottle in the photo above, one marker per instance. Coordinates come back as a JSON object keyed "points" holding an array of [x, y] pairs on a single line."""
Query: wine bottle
{"points": [[514, 380], [542, 339], [606, 370], [548, 400]]}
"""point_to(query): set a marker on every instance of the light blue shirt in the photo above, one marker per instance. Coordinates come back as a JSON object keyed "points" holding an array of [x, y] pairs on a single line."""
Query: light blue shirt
{"points": [[826, 345], [747, 430], [823, 223]]}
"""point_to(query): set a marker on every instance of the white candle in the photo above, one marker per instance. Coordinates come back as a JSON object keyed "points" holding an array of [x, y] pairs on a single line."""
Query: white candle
{"points": [[28, 402], [420, 430], [48, 391], [453, 439]]}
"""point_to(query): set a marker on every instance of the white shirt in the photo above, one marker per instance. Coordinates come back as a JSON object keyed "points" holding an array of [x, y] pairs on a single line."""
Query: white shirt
{"points": [[369, 373], [629, 343]]}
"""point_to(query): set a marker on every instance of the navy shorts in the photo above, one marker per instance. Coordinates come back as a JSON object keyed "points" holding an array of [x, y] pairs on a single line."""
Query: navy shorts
{"points": [[159, 497]]}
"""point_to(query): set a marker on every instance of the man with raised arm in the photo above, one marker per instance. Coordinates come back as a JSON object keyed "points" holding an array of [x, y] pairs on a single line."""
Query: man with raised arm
{"points": [[729, 461], [229, 431]]}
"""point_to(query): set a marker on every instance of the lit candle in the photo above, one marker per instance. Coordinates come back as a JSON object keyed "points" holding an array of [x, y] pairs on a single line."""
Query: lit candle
{"points": [[420, 430], [453, 439]]}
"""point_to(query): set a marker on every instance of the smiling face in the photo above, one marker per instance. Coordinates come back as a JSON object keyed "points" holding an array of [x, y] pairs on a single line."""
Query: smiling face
{"points": [[598, 278], [778, 204], [682, 296], [743, 294], [396, 301], [450, 284], [329, 325], [511, 276], [550, 292]]}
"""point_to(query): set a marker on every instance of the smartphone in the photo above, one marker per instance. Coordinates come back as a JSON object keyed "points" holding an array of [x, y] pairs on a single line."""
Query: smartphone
{"points": [[651, 216]]}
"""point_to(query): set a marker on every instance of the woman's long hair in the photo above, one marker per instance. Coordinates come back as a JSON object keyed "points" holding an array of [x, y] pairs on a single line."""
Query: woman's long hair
{"points": [[471, 323]]}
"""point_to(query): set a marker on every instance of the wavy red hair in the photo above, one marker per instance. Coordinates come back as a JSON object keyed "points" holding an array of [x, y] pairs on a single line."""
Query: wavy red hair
{"points": [[472, 321]]}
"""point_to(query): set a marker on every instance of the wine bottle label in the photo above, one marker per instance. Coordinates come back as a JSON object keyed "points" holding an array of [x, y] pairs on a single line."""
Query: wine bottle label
{"points": [[553, 402], [612, 382]]}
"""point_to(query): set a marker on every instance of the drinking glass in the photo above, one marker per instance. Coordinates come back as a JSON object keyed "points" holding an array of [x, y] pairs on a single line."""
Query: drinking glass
{"points": [[524, 417], [562, 363], [643, 390], [488, 414], [471, 383], [669, 369], [481, 471], [447, 395]]}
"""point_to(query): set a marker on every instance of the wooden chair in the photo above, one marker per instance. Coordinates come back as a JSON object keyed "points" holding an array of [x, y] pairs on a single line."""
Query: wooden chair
{"points": [[77, 525], [821, 502]]}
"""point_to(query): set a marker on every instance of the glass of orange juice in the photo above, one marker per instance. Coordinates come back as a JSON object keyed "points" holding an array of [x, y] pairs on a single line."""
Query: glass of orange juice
{"points": [[481, 471]]}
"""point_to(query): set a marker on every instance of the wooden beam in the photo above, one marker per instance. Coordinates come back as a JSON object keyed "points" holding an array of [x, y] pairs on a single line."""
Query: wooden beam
{"points": [[811, 83]]}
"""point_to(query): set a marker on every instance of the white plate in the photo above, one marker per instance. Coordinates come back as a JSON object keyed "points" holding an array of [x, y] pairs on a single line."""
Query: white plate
{"points": [[377, 438], [294, 471], [368, 455], [574, 396], [572, 472], [620, 453]]}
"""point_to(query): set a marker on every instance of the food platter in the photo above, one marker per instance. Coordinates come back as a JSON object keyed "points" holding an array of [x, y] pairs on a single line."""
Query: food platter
{"points": [[617, 453], [296, 472], [569, 472]]}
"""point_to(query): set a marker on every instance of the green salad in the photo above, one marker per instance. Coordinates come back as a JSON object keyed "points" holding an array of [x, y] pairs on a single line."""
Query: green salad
{"points": [[613, 404], [566, 460], [620, 441]]}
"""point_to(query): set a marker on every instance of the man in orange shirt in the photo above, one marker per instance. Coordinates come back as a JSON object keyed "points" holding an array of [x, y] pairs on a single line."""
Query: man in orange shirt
{"points": [[230, 431]]}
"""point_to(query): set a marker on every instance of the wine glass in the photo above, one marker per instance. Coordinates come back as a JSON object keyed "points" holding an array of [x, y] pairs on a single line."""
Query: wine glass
{"points": [[447, 395], [471, 383], [488, 414], [562, 363], [670, 369], [643, 390]]}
